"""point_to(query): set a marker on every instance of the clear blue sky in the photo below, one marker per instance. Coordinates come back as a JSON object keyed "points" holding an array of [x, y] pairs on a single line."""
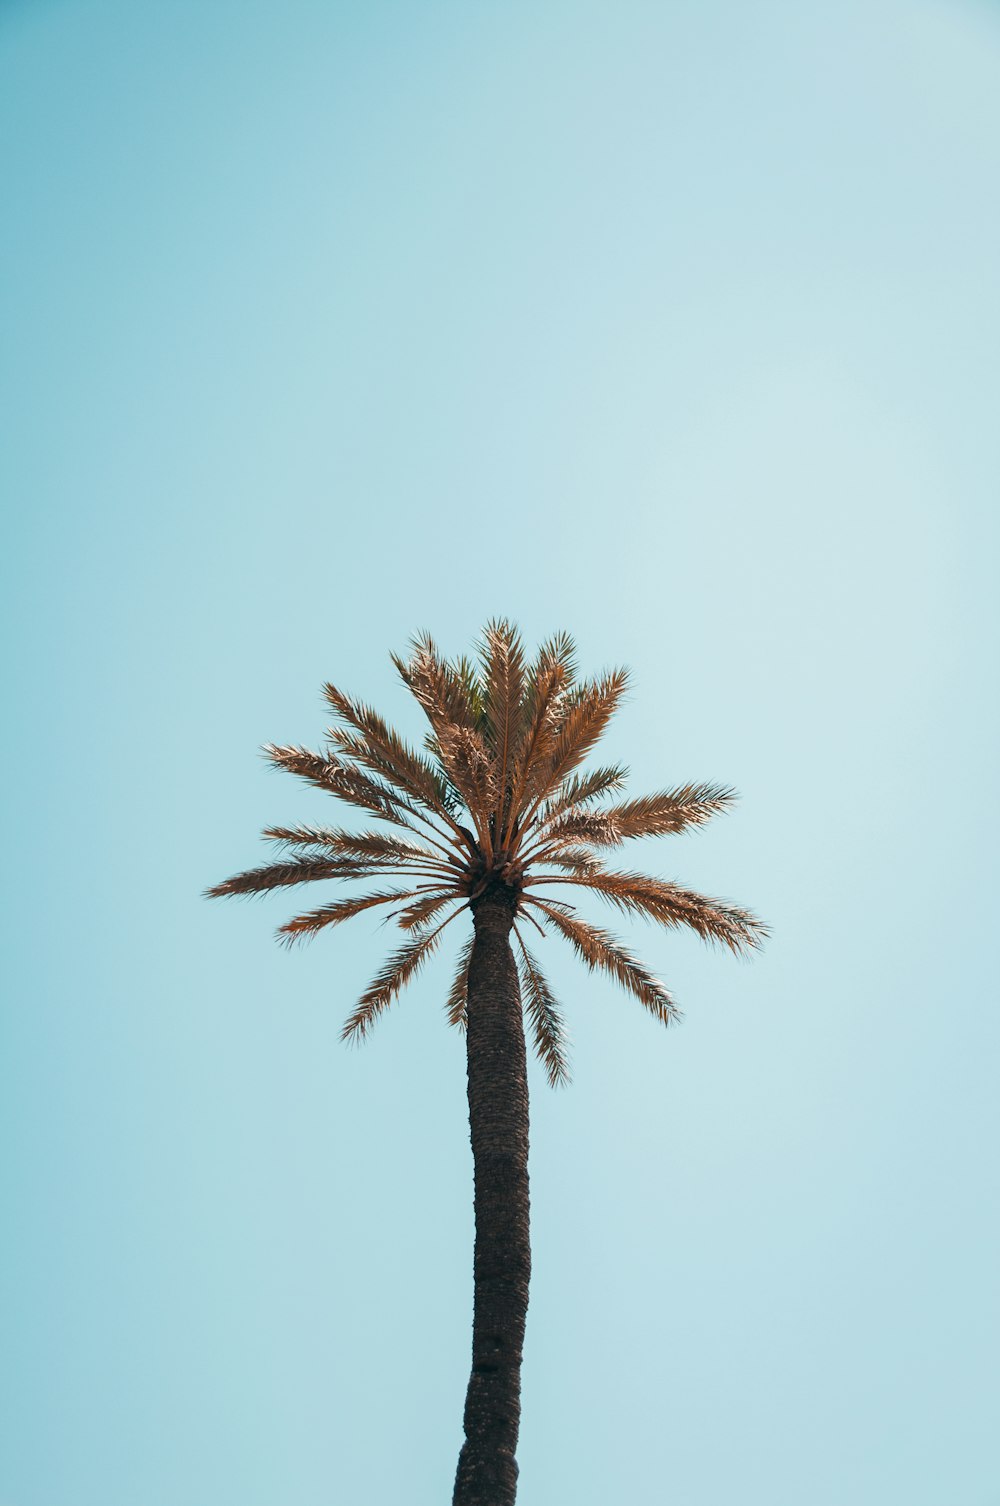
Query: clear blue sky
{"points": [[672, 324]]}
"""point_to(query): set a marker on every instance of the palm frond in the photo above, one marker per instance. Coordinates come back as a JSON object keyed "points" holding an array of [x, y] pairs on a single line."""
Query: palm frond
{"points": [[574, 860], [600, 950], [441, 690], [465, 673], [560, 649], [587, 714], [671, 905], [545, 1017], [380, 748], [376, 846], [302, 926], [458, 738], [543, 711], [581, 789], [504, 709], [669, 810], [414, 917], [394, 975], [297, 871], [347, 783], [575, 826], [458, 997]]}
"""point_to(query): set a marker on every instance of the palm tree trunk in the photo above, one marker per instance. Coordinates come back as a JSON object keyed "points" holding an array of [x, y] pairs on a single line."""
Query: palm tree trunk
{"points": [[498, 1117]]}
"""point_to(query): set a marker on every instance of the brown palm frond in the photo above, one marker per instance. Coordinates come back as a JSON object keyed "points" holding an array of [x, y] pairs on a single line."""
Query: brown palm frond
{"points": [[438, 686], [340, 779], [559, 649], [581, 789], [472, 771], [458, 739], [671, 905], [572, 828], [298, 871], [546, 1019], [374, 845], [503, 681], [669, 810], [303, 926], [394, 975], [442, 808], [585, 718], [499, 795], [574, 860], [652, 815], [415, 916], [380, 748], [600, 950], [356, 788], [543, 711], [463, 672], [405, 764], [458, 997]]}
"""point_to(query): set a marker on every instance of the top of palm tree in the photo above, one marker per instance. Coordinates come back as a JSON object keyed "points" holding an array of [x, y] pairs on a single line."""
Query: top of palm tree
{"points": [[497, 803]]}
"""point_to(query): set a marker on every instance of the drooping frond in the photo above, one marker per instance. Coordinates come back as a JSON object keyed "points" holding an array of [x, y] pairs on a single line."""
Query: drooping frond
{"points": [[394, 975], [671, 905], [414, 917], [279, 875], [458, 996], [547, 1024], [339, 910], [600, 950]]}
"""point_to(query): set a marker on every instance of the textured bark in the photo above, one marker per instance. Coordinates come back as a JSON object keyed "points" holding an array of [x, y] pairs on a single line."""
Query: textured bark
{"points": [[498, 1118]]}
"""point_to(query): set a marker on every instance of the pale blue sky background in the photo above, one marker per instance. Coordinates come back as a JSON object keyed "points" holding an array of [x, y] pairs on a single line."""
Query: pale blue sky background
{"points": [[676, 325]]}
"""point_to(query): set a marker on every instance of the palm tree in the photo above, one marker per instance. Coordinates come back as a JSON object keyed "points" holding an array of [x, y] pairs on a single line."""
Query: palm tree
{"points": [[496, 811]]}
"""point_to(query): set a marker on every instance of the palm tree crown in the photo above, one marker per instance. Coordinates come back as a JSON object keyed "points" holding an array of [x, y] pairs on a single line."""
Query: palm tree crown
{"points": [[497, 800]]}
